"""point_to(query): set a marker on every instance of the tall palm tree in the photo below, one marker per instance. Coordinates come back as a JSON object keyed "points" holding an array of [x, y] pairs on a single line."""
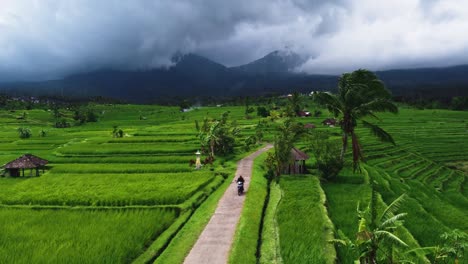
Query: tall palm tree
{"points": [[360, 94], [295, 104]]}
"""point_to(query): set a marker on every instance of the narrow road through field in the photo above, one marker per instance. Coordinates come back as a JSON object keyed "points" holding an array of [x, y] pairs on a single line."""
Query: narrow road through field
{"points": [[214, 243]]}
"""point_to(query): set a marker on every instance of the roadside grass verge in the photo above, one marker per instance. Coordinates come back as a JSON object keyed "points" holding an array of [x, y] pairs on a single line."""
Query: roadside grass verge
{"points": [[244, 246], [270, 247], [186, 237]]}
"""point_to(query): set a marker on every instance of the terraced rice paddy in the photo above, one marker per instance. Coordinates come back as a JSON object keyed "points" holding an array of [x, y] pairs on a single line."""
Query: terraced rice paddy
{"points": [[101, 199], [437, 194], [427, 164], [108, 200]]}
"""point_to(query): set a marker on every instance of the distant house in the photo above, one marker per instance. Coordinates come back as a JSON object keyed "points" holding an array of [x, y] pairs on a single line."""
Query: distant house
{"points": [[309, 126], [297, 163], [28, 161], [303, 113], [330, 122]]}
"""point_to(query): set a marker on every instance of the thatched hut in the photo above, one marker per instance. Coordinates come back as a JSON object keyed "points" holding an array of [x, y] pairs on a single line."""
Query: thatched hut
{"points": [[28, 161], [330, 122], [309, 126], [297, 164]]}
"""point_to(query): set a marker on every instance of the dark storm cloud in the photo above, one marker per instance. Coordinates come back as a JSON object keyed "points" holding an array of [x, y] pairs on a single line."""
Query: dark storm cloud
{"points": [[43, 39]]}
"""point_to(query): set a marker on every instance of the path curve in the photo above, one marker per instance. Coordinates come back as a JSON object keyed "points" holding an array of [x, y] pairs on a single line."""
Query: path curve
{"points": [[214, 243]]}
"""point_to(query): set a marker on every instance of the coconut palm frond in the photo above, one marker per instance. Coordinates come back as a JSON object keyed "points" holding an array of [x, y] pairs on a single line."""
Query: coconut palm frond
{"points": [[377, 105], [379, 132], [389, 236], [392, 221], [329, 101], [393, 208]]}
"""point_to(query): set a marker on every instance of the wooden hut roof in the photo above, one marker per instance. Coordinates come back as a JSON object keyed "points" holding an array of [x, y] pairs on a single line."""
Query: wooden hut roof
{"points": [[299, 155], [27, 161], [330, 121]]}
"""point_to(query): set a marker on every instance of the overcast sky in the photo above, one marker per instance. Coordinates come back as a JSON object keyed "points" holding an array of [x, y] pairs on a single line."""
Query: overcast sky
{"points": [[46, 39]]}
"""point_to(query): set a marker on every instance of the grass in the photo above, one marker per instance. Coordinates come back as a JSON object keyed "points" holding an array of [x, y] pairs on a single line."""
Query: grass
{"points": [[244, 246], [270, 248], [91, 170], [304, 226], [103, 189], [182, 243], [78, 236]]}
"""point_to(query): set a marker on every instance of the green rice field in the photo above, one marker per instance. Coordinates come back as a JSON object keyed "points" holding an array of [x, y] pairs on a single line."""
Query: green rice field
{"points": [[133, 199]]}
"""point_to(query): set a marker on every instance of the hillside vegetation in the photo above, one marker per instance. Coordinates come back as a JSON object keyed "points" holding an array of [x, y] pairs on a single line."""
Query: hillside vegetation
{"points": [[107, 199]]}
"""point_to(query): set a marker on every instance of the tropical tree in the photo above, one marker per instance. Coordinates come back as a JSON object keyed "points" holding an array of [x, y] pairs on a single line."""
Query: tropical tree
{"points": [[376, 231], [454, 246], [285, 138], [212, 137], [217, 135], [295, 104], [326, 153], [360, 94]]}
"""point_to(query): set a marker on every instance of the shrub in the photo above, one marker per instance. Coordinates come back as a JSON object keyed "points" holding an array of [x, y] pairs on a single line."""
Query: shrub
{"points": [[262, 111], [24, 132], [327, 155], [63, 123]]}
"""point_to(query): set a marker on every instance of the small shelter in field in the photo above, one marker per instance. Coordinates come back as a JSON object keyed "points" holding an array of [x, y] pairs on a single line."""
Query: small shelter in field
{"points": [[16, 167], [309, 126], [330, 122], [303, 113], [297, 164]]}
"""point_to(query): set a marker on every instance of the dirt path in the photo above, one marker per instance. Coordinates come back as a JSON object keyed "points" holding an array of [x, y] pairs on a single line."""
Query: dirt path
{"points": [[214, 243]]}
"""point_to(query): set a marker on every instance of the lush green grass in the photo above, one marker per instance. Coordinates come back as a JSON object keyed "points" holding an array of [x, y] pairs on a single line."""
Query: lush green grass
{"points": [[244, 247], [270, 248], [304, 226], [78, 236], [182, 243], [88, 167], [149, 166], [103, 189]]}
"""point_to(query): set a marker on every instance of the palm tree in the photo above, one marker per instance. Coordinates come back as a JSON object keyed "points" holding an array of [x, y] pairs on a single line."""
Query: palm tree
{"points": [[375, 231], [295, 104], [360, 94], [212, 137]]}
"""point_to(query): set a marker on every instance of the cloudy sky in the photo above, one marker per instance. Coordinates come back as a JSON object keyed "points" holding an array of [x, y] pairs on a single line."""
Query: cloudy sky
{"points": [[46, 39]]}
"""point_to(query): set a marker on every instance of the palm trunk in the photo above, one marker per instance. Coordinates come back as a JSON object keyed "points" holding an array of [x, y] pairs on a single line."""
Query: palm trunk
{"points": [[212, 149], [345, 146]]}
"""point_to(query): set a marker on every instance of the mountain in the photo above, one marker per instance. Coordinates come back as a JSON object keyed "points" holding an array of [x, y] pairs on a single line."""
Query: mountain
{"points": [[279, 61], [193, 75], [443, 82]]}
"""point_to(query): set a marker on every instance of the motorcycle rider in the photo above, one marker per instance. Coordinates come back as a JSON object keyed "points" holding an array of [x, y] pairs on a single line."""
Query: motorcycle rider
{"points": [[240, 185]]}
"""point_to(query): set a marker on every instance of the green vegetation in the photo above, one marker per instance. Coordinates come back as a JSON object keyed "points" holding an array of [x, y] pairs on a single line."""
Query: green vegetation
{"points": [[129, 181], [78, 236], [270, 248], [143, 184], [244, 248], [303, 222], [360, 94]]}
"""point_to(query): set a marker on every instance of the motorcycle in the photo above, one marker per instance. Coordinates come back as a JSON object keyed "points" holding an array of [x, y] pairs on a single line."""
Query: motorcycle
{"points": [[240, 188]]}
